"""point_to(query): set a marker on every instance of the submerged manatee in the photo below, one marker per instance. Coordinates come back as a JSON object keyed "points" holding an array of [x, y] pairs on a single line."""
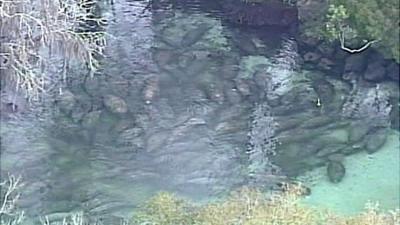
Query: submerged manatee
{"points": [[336, 171], [193, 36], [150, 89]]}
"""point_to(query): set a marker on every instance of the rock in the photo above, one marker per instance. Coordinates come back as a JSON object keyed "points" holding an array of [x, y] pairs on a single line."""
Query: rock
{"points": [[375, 71], [336, 171], [115, 104], [355, 63], [392, 71], [376, 140], [66, 101], [311, 57]]}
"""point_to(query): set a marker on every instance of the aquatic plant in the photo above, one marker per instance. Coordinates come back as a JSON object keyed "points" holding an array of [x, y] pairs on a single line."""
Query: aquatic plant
{"points": [[249, 206], [34, 33]]}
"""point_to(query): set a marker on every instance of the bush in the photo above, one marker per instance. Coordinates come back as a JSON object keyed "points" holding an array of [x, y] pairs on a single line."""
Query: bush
{"points": [[34, 32], [372, 20], [251, 207]]}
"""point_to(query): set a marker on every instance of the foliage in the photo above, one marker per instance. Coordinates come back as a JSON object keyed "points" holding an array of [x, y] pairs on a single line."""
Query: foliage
{"points": [[247, 206], [337, 16], [251, 207], [9, 215], [34, 32], [165, 209], [367, 20]]}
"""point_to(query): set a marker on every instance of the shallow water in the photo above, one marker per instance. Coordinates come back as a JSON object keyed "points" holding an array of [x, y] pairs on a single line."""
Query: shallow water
{"points": [[188, 104]]}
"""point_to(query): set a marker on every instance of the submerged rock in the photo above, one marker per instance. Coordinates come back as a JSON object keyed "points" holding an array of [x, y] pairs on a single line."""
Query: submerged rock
{"points": [[336, 171]]}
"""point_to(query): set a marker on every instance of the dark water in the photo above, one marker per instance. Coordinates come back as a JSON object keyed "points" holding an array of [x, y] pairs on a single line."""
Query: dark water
{"points": [[185, 103]]}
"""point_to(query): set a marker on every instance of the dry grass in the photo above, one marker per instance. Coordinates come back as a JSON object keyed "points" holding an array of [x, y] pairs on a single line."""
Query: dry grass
{"points": [[251, 207], [34, 31]]}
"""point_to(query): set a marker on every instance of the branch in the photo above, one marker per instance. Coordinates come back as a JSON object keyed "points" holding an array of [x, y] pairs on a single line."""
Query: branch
{"points": [[342, 45]]}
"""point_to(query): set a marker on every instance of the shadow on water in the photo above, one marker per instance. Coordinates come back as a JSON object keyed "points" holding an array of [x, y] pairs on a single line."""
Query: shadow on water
{"points": [[183, 103]]}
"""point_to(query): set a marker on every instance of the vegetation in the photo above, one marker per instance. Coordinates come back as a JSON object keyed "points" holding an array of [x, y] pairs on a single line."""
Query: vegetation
{"points": [[364, 22], [251, 207], [35, 33], [246, 206]]}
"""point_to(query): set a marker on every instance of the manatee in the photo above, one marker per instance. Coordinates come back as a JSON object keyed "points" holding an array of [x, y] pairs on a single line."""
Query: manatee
{"points": [[193, 36], [150, 89], [336, 171]]}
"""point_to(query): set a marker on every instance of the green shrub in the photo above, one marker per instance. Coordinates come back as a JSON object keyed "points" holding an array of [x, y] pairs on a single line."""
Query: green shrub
{"points": [[367, 20], [251, 207]]}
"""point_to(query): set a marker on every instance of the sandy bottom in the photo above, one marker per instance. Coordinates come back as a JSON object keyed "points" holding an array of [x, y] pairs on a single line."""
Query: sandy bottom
{"points": [[374, 178]]}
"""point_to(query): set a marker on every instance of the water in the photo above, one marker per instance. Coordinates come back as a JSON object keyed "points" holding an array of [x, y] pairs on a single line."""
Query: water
{"points": [[188, 104]]}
